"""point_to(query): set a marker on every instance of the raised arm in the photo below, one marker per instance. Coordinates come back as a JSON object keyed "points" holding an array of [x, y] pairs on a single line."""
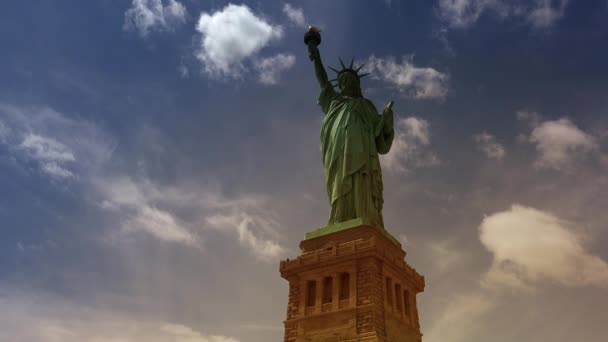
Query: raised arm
{"points": [[315, 57]]}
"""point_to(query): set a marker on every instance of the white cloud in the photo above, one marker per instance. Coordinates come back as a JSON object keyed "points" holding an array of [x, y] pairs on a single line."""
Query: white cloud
{"points": [[231, 35], [463, 311], [183, 70], [295, 14], [243, 225], [55, 170], [463, 13], [60, 146], [70, 148], [421, 83], [410, 146], [444, 255], [270, 68], [532, 118], [530, 245], [559, 143], [489, 146], [66, 148], [50, 319], [149, 15], [149, 208], [137, 204], [544, 14], [541, 14], [51, 154], [4, 132], [250, 220]]}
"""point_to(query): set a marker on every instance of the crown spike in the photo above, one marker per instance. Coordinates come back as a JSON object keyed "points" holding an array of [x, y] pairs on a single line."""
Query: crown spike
{"points": [[343, 66], [359, 68], [352, 60], [334, 70], [363, 75]]}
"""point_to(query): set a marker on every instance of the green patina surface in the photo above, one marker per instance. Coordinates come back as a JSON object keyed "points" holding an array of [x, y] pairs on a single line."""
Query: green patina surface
{"points": [[353, 134], [347, 225]]}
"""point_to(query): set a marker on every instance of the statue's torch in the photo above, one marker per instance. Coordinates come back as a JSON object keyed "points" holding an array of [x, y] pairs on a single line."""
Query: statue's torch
{"points": [[312, 36], [312, 39]]}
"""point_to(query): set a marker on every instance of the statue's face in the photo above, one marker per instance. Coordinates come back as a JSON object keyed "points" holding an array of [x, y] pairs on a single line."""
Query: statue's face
{"points": [[349, 84]]}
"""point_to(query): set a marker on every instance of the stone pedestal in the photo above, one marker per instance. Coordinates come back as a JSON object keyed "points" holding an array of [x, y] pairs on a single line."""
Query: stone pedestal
{"points": [[351, 283]]}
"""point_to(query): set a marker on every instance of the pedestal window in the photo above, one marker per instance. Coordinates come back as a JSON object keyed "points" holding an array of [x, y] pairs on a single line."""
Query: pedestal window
{"points": [[406, 302], [344, 286], [311, 292], [389, 291], [398, 297], [328, 285]]}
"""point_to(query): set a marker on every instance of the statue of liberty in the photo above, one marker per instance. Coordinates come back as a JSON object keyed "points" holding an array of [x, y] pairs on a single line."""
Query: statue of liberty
{"points": [[353, 133]]}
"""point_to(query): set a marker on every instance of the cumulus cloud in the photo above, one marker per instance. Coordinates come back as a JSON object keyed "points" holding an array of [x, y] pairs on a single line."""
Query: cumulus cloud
{"points": [[421, 83], [269, 68], [154, 15], [530, 245], [541, 14], [231, 35], [295, 14], [559, 143], [410, 147], [489, 146]]}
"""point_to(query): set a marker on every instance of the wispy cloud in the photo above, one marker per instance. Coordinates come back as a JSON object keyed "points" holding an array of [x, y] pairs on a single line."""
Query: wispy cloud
{"points": [[51, 319], [270, 68], [295, 14], [530, 245], [146, 207], [489, 146], [461, 14], [445, 255], [410, 149], [154, 15], [67, 148], [51, 154], [61, 147], [545, 13], [464, 13], [4, 132], [230, 36], [249, 219], [138, 206], [420, 83], [462, 310]]}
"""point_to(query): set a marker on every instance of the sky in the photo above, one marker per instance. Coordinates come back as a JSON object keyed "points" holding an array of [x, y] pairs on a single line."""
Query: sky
{"points": [[160, 157]]}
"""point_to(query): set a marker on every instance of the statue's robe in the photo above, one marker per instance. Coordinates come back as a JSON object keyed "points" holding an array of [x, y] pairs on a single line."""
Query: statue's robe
{"points": [[352, 136]]}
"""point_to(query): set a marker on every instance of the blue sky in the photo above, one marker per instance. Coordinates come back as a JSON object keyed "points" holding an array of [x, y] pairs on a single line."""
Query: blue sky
{"points": [[159, 157]]}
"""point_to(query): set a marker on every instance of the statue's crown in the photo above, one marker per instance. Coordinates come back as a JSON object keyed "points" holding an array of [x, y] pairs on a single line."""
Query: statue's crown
{"points": [[349, 69]]}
